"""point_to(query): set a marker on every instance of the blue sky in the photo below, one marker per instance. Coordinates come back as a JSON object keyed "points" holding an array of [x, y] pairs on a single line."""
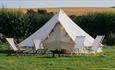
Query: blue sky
{"points": [[55, 3]]}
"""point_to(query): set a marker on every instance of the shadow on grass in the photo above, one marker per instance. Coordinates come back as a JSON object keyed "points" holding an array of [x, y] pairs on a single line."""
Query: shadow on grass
{"points": [[64, 56], [5, 53]]}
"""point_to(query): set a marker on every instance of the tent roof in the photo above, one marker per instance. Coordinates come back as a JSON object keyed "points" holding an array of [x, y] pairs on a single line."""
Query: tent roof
{"points": [[71, 28]]}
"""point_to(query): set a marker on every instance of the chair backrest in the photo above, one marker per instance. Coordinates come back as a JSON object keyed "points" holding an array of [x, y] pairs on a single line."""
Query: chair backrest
{"points": [[79, 42], [12, 43], [38, 44], [97, 42]]}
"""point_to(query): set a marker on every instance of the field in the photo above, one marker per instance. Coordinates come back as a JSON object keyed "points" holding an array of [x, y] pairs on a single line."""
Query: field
{"points": [[103, 61], [70, 11]]}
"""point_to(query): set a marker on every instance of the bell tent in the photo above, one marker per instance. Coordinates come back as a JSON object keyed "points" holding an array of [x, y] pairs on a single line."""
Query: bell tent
{"points": [[59, 31]]}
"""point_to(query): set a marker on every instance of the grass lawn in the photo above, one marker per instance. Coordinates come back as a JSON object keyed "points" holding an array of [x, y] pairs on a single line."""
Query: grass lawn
{"points": [[105, 61]]}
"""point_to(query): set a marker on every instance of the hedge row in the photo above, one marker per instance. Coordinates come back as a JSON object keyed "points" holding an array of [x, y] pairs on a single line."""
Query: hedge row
{"points": [[21, 25], [98, 24]]}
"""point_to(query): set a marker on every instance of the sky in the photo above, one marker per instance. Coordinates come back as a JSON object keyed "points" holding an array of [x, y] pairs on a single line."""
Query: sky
{"points": [[55, 3]]}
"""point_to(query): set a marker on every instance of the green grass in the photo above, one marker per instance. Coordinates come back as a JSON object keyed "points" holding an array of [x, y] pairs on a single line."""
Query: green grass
{"points": [[105, 61]]}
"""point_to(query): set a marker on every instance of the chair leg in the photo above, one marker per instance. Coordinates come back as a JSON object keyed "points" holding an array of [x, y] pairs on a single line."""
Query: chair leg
{"points": [[59, 54], [53, 55], [10, 52], [44, 51]]}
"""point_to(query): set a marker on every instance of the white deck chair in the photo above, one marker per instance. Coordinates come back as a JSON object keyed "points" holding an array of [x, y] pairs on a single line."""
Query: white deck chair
{"points": [[12, 44], [97, 43], [79, 44], [15, 47], [38, 45]]}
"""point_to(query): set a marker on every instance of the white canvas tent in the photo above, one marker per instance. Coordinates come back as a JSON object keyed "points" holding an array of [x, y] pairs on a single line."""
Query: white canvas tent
{"points": [[54, 31]]}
